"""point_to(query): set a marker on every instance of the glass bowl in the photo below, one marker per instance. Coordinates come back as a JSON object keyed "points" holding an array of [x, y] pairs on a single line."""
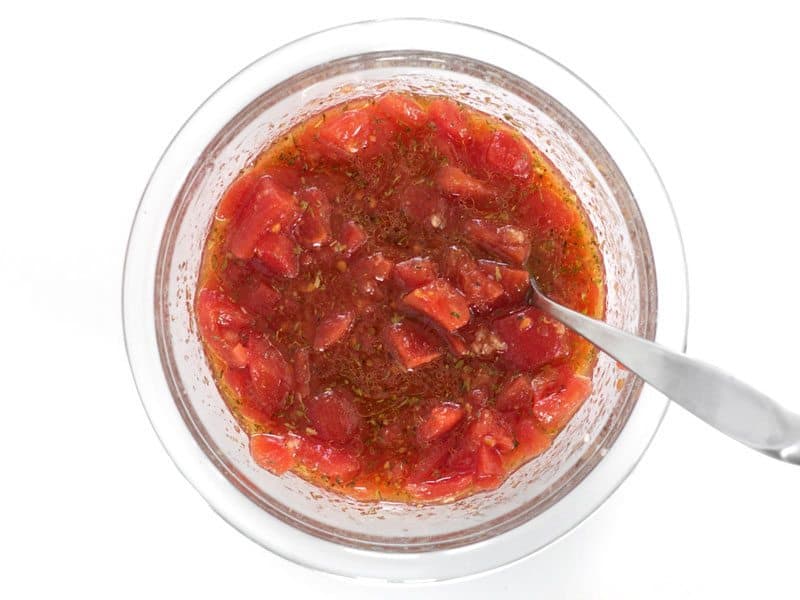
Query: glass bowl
{"points": [[607, 168]]}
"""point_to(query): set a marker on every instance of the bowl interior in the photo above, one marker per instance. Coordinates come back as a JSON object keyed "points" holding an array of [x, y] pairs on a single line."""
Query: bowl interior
{"points": [[631, 301]]}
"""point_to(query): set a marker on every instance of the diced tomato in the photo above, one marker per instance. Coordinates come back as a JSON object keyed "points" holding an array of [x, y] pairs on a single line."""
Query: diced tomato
{"points": [[507, 155], [334, 416], [327, 460], [271, 209], [545, 211], [391, 435], [481, 290], [516, 282], [352, 237], [429, 460], [489, 465], [532, 339], [276, 252], [345, 134], [554, 411], [402, 109], [531, 438], [455, 343], [238, 380], [302, 372], [375, 266], [423, 205], [415, 272], [332, 329], [411, 345], [458, 184], [506, 242], [270, 452], [314, 227], [449, 118], [491, 430], [440, 302], [442, 488], [236, 196], [549, 379], [252, 410], [515, 394], [272, 376], [221, 322], [439, 421], [258, 298], [284, 175]]}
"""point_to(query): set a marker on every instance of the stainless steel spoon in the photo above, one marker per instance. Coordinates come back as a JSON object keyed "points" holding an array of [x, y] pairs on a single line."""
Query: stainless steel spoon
{"points": [[734, 408]]}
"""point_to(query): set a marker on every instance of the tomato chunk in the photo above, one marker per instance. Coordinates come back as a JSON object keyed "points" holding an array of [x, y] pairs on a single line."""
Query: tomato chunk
{"points": [[532, 339], [314, 227], [515, 394], [375, 266], [506, 242], [271, 374], [302, 372], [270, 452], [276, 252], [481, 290], [422, 205], [334, 416], [236, 196], [411, 345], [221, 322], [259, 298], [440, 420], [332, 329], [352, 237], [272, 209], [489, 465], [449, 118], [415, 272], [515, 282], [429, 460], [531, 438], [491, 430], [440, 302], [507, 155], [458, 184], [346, 134], [327, 460], [555, 410], [402, 109]]}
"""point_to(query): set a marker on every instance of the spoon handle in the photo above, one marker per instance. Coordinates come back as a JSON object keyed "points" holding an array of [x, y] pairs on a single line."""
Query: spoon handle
{"points": [[719, 399]]}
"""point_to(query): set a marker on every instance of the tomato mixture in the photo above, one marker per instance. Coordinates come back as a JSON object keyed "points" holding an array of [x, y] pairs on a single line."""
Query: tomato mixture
{"points": [[362, 300]]}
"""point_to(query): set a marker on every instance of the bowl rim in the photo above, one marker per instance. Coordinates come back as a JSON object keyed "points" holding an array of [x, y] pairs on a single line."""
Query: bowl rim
{"points": [[139, 316]]}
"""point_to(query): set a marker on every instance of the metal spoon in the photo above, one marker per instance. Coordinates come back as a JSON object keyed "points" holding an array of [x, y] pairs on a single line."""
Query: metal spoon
{"points": [[734, 408]]}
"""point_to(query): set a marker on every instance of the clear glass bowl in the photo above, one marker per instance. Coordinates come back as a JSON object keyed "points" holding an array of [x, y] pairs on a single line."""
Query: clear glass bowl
{"points": [[586, 140]]}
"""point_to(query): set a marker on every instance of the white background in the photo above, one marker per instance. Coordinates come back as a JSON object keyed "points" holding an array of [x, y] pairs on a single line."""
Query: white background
{"points": [[92, 507]]}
